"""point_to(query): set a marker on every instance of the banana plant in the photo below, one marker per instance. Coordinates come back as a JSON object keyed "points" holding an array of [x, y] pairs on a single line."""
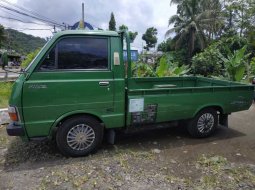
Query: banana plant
{"points": [[168, 68], [142, 70], [235, 64]]}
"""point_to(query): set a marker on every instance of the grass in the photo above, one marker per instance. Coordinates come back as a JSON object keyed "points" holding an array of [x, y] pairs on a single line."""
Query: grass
{"points": [[220, 173], [5, 92]]}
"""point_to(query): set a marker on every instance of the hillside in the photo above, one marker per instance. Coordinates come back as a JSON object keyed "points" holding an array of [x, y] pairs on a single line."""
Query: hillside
{"points": [[21, 42]]}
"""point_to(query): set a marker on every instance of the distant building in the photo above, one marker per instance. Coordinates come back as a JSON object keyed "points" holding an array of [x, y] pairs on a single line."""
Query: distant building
{"points": [[86, 25], [14, 59], [134, 55], [150, 57]]}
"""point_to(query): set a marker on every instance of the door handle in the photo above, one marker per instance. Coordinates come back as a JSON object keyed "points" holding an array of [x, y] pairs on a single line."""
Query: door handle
{"points": [[104, 83]]}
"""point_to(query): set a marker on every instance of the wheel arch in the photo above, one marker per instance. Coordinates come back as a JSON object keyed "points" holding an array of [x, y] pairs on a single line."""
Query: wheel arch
{"points": [[218, 108], [69, 115]]}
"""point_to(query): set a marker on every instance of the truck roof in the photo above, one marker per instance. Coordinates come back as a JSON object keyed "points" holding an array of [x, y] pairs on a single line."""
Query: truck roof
{"points": [[87, 32]]}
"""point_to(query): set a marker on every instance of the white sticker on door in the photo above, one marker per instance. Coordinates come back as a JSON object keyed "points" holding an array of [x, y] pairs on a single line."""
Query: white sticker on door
{"points": [[136, 105]]}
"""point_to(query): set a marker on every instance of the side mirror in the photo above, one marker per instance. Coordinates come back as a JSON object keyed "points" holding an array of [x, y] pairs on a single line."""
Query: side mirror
{"points": [[4, 60]]}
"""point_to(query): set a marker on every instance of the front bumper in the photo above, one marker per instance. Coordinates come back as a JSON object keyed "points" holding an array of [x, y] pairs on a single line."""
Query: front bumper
{"points": [[15, 129]]}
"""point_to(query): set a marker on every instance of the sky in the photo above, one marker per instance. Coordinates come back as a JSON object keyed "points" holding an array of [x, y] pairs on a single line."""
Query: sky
{"points": [[137, 15]]}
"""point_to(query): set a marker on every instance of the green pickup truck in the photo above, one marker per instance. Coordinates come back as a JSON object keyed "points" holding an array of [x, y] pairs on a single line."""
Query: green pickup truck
{"points": [[79, 88]]}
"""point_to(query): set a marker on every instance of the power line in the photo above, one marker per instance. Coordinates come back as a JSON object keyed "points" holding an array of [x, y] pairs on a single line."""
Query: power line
{"points": [[15, 19], [29, 11], [8, 12], [20, 18], [28, 15], [23, 29]]}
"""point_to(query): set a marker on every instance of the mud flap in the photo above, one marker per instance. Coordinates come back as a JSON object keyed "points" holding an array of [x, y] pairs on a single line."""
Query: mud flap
{"points": [[110, 136], [223, 120]]}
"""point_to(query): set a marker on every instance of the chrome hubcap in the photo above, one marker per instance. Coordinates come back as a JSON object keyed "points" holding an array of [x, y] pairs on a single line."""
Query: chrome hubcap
{"points": [[80, 137], [205, 123]]}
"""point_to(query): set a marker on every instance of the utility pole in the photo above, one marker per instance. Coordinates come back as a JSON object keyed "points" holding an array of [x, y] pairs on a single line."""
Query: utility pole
{"points": [[142, 48], [83, 13], [81, 24]]}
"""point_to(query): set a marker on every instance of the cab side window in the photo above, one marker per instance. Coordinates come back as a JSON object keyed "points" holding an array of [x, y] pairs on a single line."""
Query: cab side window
{"points": [[77, 53]]}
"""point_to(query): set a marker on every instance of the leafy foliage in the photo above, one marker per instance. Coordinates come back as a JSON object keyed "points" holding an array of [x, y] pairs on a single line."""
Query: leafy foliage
{"points": [[150, 37], [166, 46], [218, 36], [168, 68], [112, 23], [5, 93], [252, 67], [240, 16], [2, 36], [123, 27], [4, 59], [235, 64], [213, 60], [22, 43], [29, 58], [132, 35], [142, 70], [194, 19]]}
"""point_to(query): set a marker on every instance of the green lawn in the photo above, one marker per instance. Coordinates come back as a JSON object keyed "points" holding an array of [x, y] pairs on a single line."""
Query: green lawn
{"points": [[5, 91]]}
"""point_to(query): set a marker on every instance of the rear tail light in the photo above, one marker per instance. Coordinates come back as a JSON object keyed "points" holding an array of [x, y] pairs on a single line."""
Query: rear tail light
{"points": [[13, 114]]}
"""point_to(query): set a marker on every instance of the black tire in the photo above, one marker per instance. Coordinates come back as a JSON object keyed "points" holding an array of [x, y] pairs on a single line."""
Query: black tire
{"points": [[79, 136], [204, 123]]}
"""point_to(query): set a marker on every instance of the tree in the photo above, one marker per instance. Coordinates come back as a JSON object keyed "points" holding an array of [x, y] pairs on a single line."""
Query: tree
{"points": [[222, 58], [162, 46], [4, 59], [166, 46], [2, 36], [193, 19], [240, 15], [21, 42], [123, 27], [132, 35], [150, 37], [112, 23]]}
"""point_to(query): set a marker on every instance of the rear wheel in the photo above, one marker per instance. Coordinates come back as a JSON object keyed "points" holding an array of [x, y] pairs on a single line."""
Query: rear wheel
{"points": [[204, 123], [79, 136]]}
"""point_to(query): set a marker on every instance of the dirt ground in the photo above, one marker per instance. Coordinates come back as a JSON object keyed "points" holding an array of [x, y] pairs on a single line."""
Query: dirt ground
{"points": [[155, 159]]}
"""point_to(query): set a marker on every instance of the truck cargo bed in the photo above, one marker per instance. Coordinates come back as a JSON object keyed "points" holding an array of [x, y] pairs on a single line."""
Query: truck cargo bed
{"points": [[180, 98]]}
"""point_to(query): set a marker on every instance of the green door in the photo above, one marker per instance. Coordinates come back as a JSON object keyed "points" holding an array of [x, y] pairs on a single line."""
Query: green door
{"points": [[74, 76]]}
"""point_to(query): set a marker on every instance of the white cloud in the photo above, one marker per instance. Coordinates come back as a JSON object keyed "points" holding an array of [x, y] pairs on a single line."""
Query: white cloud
{"points": [[137, 15]]}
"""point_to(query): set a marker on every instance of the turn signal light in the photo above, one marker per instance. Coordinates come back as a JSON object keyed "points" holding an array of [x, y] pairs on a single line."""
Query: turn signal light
{"points": [[13, 114]]}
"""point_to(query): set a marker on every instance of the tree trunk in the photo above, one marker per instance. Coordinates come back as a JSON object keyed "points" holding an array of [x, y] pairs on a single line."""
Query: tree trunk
{"points": [[191, 44], [242, 21]]}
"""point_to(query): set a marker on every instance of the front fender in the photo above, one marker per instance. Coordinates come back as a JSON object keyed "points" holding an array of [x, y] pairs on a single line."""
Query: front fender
{"points": [[71, 114]]}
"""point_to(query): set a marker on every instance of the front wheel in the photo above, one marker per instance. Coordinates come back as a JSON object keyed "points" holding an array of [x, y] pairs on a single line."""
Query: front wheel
{"points": [[79, 136], [204, 123]]}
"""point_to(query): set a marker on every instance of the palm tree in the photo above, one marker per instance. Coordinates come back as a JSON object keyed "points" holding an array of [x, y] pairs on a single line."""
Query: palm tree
{"points": [[190, 23]]}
